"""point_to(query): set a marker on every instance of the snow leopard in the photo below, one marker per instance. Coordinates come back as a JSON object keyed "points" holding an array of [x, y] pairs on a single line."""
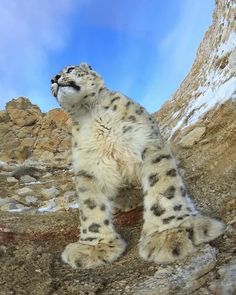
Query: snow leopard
{"points": [[115, 141]]}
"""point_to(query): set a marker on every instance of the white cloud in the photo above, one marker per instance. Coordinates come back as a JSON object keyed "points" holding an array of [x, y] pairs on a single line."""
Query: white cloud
{"points": [[180, 42], [29, 29]]}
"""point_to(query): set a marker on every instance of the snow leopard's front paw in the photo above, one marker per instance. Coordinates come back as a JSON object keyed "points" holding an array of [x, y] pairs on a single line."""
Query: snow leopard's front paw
{"points": [[166, 246], [90, 256]]}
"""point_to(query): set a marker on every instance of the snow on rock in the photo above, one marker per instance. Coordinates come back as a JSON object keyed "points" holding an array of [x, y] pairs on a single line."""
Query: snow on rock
{"points": [[212, 79], [49, 207], [227, 46], [31, 199], [56, 204], [209, 98]]}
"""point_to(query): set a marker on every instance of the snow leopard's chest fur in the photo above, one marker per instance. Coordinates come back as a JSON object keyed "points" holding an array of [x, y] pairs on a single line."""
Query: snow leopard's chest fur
{"points": [[116, 133]]}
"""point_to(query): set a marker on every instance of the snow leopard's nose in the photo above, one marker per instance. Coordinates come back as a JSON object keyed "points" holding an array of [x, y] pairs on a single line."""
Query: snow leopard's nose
{"points": [[55, 79]]}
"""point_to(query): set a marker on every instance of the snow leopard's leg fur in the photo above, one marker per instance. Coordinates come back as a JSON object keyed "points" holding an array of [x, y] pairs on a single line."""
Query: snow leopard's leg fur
{"points": [[172, 226], [98, 243]]}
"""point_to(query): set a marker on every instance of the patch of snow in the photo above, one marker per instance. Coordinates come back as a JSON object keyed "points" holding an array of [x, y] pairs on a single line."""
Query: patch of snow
{"points": [[175, 114], [213, 79], [210, 98], [177, 126], [51, 207], [33, 182], [73, 205], [31, 199], [227, 46], [212, 95], [18, 210], [200, 89]]}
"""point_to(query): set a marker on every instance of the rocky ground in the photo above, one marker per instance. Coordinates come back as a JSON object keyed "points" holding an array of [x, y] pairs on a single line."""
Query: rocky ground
{"points": [[34, 267], [31, 242]]}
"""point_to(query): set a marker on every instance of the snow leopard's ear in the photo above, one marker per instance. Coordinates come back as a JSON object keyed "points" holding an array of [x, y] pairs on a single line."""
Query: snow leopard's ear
{"points": [[85, 67]]}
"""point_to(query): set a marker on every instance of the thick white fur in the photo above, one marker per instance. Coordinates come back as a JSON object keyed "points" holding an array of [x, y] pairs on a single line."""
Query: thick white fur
{"points": [[115, 142]]}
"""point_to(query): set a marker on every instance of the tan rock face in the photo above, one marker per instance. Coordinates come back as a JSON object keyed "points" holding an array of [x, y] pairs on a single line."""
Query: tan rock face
{"points": [[28, 133], [22, 112], [54, 137], [192, 137]]}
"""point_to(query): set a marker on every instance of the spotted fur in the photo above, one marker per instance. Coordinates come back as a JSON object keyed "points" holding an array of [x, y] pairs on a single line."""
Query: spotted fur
{"points": [[116, 141]]}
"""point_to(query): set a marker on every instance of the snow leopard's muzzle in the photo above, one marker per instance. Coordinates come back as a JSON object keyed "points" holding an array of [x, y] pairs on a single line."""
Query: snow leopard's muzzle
{"points": [[56, 84]]}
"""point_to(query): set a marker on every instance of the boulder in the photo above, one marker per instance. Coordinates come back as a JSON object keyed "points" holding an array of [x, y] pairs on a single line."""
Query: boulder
{"points": [[24, 191], [183, 278], [50, 193], [27, 133], [22, 112], [192, 137]]}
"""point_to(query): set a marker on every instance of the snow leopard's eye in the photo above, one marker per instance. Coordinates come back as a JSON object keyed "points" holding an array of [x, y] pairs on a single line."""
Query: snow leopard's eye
{"points": [[70, 69]]}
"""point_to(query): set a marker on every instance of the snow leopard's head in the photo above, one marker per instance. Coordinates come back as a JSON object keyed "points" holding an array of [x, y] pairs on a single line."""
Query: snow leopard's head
{"points": [[76, 86]]}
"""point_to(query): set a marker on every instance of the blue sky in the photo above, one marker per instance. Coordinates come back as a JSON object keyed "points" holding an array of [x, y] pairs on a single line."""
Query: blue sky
{"points": [[142, 48]]}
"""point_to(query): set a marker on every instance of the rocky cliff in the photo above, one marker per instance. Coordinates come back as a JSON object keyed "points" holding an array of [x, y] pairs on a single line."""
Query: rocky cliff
{"points": [[212, 79], [26, 132], [199, 120]]}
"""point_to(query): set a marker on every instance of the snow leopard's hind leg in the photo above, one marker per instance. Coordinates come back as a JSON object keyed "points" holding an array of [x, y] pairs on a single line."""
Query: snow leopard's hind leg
{"points": [[99, 243], [172, 226]]}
